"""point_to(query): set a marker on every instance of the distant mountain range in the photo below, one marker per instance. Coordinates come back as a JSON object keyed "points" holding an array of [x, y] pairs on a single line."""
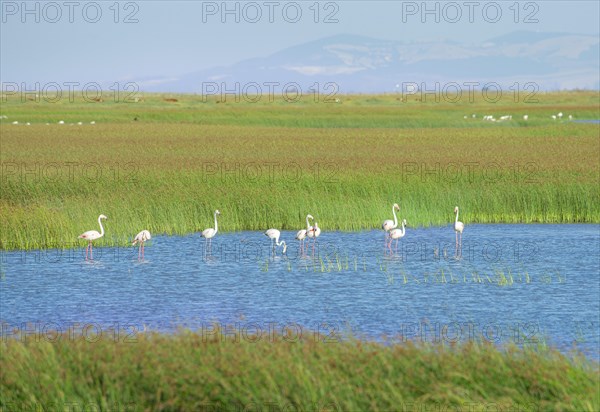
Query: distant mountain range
{"points": [[356, 64]]}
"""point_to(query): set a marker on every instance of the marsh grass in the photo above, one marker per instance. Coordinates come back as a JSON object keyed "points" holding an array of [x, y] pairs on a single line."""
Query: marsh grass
{"points": [[393, 267], [189, 370], [267, 165]]}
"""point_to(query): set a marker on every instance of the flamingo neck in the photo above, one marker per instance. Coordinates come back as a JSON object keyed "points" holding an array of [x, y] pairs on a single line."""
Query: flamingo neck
{"points": [[456, 220], [282, 243], [395, 218], [101, 227], [403, 229], [307, 224], [216, 226]]}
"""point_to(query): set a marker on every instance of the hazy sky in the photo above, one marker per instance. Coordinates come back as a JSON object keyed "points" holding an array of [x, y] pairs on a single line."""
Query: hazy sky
{"points": [[173, 38]]}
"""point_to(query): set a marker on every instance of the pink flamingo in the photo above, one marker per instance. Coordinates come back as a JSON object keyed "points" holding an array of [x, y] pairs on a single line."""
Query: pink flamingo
{"points": [[301, 235], [274, 234], [140, 238], [209, 233], [313, 233], [397, 234], [388, 225], [458, 228], [91, 235]]}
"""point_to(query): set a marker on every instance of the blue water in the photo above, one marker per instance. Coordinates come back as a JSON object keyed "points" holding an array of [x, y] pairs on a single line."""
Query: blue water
{"points": [[587, 121], [423, 292]]}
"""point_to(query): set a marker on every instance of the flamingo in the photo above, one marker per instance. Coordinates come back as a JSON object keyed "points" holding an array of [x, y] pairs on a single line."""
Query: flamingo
{"points": [[525, 117], [274, 234], [313, 233], [140, 238], [397, 234], [388, 225], [209, 233], [91, 235], [458, 228], [301, 235]]}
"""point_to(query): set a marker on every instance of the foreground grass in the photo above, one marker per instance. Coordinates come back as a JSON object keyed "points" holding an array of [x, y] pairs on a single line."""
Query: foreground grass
{"points": [[192, 372], [166, 166]]}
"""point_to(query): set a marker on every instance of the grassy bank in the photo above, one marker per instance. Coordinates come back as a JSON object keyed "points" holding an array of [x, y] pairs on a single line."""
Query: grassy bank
{"points": [[166, 166], [191, 372]]}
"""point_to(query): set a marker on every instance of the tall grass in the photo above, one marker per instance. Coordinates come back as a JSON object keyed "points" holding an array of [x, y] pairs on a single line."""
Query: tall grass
{"points": [[194, 372], [267, 165]]}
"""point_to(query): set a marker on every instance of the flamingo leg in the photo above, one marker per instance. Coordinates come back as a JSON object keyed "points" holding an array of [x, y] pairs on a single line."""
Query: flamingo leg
{"points": [[91, 252], [397, 246], [456, 245]]}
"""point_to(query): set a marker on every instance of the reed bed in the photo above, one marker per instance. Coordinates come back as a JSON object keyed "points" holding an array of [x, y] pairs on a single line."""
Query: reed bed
{"points": [[166, 166], [201, 371]]}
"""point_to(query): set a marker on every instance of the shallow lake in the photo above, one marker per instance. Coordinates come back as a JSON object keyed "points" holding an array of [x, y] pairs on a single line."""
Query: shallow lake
{"points": [[513, 283]]}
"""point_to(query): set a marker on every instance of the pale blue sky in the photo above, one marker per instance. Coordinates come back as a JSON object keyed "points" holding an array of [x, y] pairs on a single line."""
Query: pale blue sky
{"points": [[170, 38]]}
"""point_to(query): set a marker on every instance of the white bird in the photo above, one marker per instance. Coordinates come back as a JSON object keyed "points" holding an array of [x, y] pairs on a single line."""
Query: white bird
{"points": [[389, 224], [79, 123], [15, 122], [397, 234], [313, 233], [525, 117], [473, 115], [570, 117], [61, 122], [274, 234], [91, 235], [92, 122], [553, 117], [301, 235], [465, 116], [140, 238], [560, 115], [28, 124], [458, 228], [209, 233]]}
